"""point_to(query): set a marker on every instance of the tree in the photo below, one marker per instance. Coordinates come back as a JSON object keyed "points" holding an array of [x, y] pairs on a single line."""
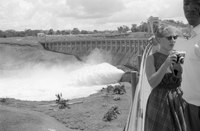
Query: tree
{"points": [[95, 31], [28, 32], [65, 32], [2, 34], [58, 32], [123, 29], [75, 31], [50, 32], [134, 28], [84, 32], [10, 33], [143, 27]]}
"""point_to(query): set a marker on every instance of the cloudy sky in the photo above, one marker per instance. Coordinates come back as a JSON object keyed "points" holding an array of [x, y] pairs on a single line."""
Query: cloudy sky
{"points": [[84, 14]]}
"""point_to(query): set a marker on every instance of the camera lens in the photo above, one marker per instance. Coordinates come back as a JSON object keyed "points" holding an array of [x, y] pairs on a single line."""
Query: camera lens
{"points": [[181, 60]]}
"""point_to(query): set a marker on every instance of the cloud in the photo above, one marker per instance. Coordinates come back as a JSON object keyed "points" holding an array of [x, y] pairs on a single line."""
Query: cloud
{"points": [[139, 11], [84, 14], [84, 9]]}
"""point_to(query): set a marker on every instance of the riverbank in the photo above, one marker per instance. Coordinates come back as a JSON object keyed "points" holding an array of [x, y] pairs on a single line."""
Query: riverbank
{"points": [[81, 114]]}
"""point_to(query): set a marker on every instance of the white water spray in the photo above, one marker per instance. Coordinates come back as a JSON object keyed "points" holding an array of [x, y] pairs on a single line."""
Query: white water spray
{"points": [[39, 81]]}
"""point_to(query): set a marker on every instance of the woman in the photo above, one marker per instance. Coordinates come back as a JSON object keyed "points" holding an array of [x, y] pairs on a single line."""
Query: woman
{"points": [[164, 111]]}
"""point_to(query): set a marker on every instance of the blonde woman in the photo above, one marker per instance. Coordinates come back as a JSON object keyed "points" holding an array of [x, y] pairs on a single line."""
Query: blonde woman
{"points": [[164, 111]]}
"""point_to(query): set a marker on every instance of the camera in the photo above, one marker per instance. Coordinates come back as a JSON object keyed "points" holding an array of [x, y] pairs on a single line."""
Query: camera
{"points": [[180, 55]]}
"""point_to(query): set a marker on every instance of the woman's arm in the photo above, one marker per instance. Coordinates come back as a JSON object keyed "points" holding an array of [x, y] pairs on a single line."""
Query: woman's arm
{"points": [[154, 77]]}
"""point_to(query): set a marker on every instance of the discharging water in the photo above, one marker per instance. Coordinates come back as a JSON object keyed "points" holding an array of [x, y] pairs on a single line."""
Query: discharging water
{"points": [[35, 74]]}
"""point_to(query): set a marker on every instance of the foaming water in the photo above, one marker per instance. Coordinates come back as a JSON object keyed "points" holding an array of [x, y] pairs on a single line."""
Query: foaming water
{"points": [[41, 82]]}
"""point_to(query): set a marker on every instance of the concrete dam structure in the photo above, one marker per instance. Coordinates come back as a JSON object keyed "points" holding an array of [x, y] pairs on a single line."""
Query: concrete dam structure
{"points": [[122, 48]]}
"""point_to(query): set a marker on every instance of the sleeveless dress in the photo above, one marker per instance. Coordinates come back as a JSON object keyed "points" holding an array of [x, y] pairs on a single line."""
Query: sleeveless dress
{"points": [[164, 111]]}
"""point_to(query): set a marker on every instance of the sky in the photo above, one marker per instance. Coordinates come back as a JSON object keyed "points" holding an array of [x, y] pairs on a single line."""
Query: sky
{"points": [[84, 14]]}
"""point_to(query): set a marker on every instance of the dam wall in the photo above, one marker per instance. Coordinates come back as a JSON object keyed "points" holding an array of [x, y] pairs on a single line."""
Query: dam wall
{"points": [[123, 49]]}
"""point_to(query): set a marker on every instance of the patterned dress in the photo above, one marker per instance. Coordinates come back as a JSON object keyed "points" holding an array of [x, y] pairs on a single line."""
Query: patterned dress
{"points": [[164, 111]]}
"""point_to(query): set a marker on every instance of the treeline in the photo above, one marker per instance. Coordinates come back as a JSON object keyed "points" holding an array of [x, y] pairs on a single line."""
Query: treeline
{"points": [[142, 27]]}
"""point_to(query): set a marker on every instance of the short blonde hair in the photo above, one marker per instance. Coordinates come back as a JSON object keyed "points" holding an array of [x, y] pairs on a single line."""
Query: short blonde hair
{"points": [[165, 30]]}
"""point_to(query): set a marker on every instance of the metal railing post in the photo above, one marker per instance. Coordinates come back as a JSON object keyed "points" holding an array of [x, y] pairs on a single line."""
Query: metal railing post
{"points": [[134, 76]]}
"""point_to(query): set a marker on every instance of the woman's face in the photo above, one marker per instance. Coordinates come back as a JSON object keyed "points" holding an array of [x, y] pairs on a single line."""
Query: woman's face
{"points": [[167, 43], [192, 11]]}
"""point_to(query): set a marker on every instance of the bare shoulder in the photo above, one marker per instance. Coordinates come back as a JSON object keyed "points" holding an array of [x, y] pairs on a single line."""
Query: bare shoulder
{"points": [[150, 63], [150, 59], [150, 69]]}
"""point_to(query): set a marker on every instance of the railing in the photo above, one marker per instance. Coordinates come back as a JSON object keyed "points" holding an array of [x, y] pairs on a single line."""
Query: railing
{"points": [[136, 117]]}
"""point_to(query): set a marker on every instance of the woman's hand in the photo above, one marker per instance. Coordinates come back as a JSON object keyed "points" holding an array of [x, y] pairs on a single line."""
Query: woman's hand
{"points": [[171, 59]]}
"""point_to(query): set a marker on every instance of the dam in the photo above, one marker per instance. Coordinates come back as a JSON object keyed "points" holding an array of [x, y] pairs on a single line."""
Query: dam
{"points": [[80, 45], [123, 48]]}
